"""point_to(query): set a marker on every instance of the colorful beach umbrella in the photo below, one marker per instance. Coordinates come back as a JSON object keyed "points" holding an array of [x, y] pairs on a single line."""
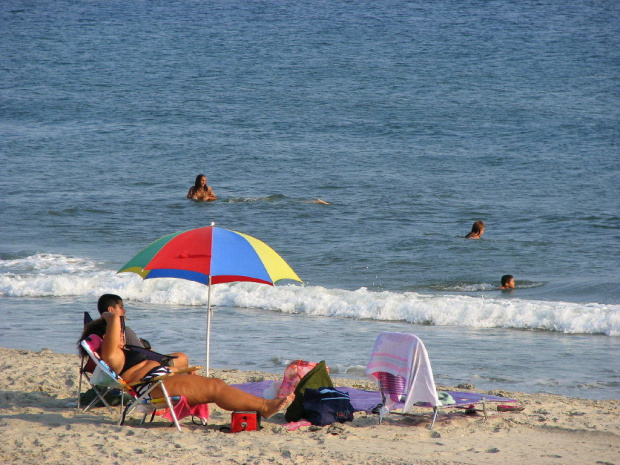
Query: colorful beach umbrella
{"points": [[210, 255]]}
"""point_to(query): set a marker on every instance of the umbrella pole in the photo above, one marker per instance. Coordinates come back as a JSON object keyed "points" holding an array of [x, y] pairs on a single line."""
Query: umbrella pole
{"points": [[209, 314]]}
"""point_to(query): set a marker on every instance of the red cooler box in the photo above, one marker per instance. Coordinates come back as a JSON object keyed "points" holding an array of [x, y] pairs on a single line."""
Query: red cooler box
{"points": [[244, 421]]}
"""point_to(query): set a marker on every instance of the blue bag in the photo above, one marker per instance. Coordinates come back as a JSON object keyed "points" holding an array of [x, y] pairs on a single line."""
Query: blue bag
{"points": [[324, 406]]}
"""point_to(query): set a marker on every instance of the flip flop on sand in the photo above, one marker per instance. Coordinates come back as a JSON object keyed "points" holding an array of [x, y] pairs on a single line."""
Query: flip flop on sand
{"points": [[335, 429], [295, 425], [509, 408]]}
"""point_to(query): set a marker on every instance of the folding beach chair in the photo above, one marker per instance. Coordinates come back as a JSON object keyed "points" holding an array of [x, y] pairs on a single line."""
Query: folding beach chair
{"points": [[87, 366], [94, 371], [400, 366], [104, 379]]}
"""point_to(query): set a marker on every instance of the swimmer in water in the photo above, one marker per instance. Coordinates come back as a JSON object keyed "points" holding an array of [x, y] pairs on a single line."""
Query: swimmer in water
{"points": [[476, 230], [200, 190], [508, 282]]}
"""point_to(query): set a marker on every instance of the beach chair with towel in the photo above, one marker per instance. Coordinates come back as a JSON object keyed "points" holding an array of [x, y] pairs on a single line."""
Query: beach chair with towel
{"points": [[400, 366], [104, 380]]}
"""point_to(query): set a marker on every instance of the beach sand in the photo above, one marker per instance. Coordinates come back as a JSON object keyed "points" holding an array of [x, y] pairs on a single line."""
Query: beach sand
{"points": [[39, 424]]}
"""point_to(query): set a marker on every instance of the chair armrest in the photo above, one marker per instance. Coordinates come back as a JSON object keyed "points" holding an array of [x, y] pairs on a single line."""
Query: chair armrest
{"points": [[189, 369], [158, 378]]}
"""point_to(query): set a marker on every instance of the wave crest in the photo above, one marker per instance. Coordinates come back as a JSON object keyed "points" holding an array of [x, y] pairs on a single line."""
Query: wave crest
{"points": [[50, 275]]}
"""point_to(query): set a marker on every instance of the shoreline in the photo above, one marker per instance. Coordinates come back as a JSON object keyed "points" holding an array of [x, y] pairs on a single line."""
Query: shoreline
{"points": [[40, 424]]}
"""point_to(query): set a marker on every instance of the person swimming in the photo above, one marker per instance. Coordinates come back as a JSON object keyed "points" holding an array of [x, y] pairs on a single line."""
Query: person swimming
{"points": [[508, 282], [476, 230], [200, 190]]}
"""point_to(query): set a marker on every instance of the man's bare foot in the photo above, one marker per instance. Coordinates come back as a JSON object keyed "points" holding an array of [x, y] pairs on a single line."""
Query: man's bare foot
{"points": [[273, 406]]}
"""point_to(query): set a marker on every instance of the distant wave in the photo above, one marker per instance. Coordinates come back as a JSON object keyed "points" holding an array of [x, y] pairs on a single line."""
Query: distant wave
{"points": [[269, 198], [53, 275], [477, 287]]}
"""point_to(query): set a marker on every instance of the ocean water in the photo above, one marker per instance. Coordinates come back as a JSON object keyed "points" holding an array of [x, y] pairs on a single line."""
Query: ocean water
{"points": [[413, 119]]}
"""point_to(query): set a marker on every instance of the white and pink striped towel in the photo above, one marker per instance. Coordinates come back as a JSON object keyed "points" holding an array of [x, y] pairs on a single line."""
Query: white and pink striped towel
{"points": [[404, 355]]}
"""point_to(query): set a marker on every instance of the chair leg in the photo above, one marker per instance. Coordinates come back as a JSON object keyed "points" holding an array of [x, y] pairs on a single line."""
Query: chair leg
{"points": [[131, 407], [123, 416], [82, 374], [170, 406], [79, 392], [435, 412], [383, 412], [122, 407], [100, 396]]}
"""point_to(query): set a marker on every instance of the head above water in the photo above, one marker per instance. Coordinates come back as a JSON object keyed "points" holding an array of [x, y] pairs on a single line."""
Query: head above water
{"points": [[476, 230], [198, 182], [508, 281]]}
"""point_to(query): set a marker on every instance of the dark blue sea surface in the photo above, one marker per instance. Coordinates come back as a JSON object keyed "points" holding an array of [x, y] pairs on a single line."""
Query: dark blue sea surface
{"points": [[413, 119]]}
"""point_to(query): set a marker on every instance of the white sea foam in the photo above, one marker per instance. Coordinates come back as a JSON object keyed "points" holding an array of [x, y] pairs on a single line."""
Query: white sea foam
{"points": [[49, 275]]}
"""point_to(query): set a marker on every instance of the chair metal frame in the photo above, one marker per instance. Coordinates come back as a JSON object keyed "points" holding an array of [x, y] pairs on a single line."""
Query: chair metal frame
{"points": [[104, 379], [85, 373], [392, 386]]}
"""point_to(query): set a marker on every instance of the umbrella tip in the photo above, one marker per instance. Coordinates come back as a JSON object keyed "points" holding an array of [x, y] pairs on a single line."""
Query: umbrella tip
{"points": [[212, 223]]}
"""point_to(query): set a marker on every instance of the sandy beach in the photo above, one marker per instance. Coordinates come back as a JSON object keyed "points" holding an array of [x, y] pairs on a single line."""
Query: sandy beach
{"points": [[40, 424]]}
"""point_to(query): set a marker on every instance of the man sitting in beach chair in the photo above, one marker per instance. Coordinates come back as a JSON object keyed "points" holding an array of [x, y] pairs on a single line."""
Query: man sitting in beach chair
{"points": [[195, 388], [136, 349], [104, 380], [114, 304]]}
